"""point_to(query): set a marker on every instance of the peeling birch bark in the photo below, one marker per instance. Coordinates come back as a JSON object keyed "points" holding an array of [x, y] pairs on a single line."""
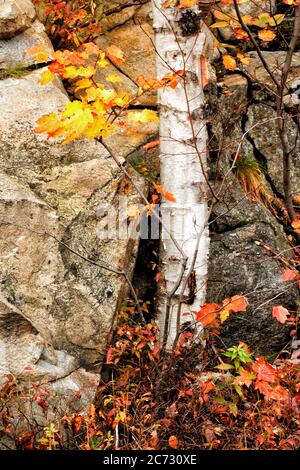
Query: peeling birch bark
{"points": [[183, 143]]}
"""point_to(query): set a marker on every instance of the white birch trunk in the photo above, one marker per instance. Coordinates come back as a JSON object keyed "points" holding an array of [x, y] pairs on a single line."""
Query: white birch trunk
{"points": [[181, 170]]}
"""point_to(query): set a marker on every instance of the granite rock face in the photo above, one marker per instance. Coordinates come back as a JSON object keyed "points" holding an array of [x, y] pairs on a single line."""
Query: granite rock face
{"points": [[57, 297], [243, 228], [15, 17]]}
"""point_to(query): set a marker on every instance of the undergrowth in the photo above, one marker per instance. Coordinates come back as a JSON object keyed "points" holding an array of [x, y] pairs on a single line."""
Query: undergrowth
{"points": [[196, 397]]}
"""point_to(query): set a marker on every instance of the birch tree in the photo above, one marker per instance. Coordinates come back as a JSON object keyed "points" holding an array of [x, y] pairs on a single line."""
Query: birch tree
{"points": [[180, 46]]}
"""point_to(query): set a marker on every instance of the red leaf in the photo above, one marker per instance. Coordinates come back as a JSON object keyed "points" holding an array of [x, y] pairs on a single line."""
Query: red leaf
{"points": [[288, 275], [263, 387], [264, 371], [280, 313]]}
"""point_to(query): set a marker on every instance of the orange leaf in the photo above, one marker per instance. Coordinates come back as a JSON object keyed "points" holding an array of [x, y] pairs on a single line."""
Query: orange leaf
{"points": [[280, 313], [229, 62], [173, 442], [187, 3], [237, 303], [266, 35], [245, 378], [115, 53], [288, 275], [208, 314], [165, 194], [169, 197], [151, 145], [296, 225]]}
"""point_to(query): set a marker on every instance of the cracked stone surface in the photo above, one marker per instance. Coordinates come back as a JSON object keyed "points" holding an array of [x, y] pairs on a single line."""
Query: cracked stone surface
{"points": [[57, 309], [15, 17], [237, 264]]}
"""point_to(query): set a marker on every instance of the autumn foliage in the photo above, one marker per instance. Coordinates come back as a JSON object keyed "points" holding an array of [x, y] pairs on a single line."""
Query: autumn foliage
{"points": [[193, 398], [201, 395]]}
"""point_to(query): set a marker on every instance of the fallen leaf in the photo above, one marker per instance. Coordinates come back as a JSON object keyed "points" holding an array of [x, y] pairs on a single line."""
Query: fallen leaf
{"points": [[280, 313], [288, 275], [264, 371], [173, 442]]}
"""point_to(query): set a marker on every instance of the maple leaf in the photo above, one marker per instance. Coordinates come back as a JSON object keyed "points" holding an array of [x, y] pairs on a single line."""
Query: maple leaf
{"points": [[208, 314], [169, 3], [50, 124], [245, 60], [241, 34], [46, 77], [244, 378], [229, 62], [263, 387], [264, 371], [237, 303], [266, 35], [280, 313], [173, 442], [91, 48], [279, 393], [83, 84], [288, 275], [169, 196], [115, 54]]}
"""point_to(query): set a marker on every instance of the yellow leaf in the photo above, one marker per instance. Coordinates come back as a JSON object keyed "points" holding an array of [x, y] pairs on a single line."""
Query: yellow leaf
{"points": [[220, 24], [84, 83], [169, 3], [266, 35], [245, 60], [224, 314], [102, 61], [229, 62], [73, 72], [147, 115], [99, 128], [113, 78], [46, 77]]}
